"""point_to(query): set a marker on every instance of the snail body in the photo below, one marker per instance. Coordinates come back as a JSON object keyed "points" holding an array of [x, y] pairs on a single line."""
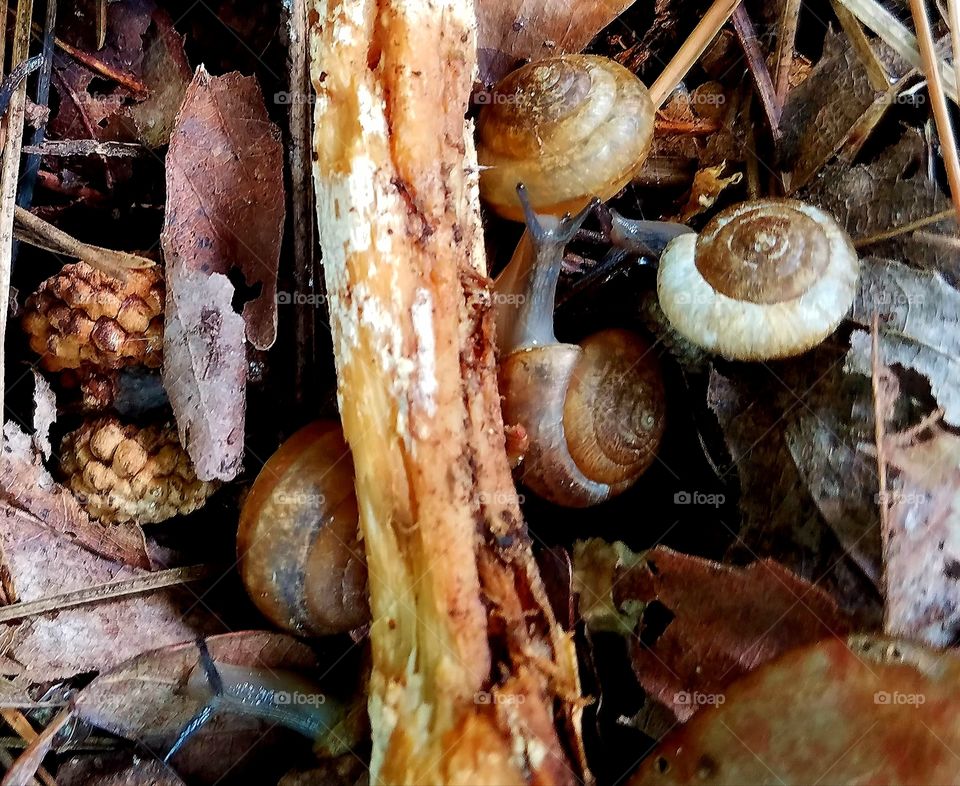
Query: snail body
{"points": [[569, 128], [594, 412], [765, 279], [301, 559]]}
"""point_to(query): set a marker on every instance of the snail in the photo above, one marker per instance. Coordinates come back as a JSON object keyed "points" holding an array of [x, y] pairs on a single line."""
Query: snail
{"points": [[570, 128], [594, 413], [301, 559], [765, 279]]}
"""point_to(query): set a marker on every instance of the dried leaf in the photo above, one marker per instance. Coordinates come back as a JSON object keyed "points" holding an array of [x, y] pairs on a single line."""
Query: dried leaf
{"points": [[923, 551], [91, 637], [708, 185], [225, 199], [780, 520], [27, 490], [514, 30], [876, 711], [204, 370], [885, 194], [919, 316], [167, 73], [597, 567], [116, 770], [836, 106], [723, 621]]}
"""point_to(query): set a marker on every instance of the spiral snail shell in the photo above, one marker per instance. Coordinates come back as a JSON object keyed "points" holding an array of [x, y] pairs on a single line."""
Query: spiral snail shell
{"points": [[301, 559], [569, 128], [594, 413], [766, 279]]}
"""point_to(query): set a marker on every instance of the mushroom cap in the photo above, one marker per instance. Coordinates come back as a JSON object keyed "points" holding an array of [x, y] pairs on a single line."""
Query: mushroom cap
{"points": [[765, 279], [569, 128]]}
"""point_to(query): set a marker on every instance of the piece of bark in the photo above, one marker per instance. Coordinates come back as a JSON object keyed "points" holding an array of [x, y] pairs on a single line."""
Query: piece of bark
{"points": [[449, 558]]}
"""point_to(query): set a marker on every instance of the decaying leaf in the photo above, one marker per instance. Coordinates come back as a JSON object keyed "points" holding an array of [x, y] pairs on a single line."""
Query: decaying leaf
{"points": [[95, 636], [514, 30], [723, 621], [887, 193], [835, 107], [205, 370], [597, 566], [876, 711], [225, 199], [780, 520], [708, 184], [919, 316], [923, 550], [153, 696], [28, 492], [828, 443]]}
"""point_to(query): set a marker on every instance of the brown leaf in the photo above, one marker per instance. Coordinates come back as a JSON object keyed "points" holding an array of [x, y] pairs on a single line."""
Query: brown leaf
{"points": [[919, 317], [514, 30], [708, 184], [116, 770], [877, 711], [90, 637], [225, 199], [167, 73], [723, 622], [204, 370], [28, 490], [923, 550]]}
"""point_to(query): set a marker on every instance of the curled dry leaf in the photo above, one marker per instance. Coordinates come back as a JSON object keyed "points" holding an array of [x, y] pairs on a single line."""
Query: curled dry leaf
{"points": [[225, 199], [873, 710], [27, 491], [204, 371], [919, 315], [514, 30], [723, 621], [708, 184], [922, 552], [147, 698]]}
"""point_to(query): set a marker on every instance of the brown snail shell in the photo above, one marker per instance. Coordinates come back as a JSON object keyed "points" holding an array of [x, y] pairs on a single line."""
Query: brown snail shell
{"points": [[301, 558], [595, 414], [765, 279], [569, 128]]}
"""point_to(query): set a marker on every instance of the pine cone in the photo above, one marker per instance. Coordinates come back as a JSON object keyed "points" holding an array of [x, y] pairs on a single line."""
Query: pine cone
{"points": [[83, 316], [123, 473]]}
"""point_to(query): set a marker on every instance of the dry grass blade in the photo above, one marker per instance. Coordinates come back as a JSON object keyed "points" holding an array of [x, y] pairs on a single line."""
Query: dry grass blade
{"points": [[762, 81], [903, 229], [101, 592], [953, 21], [785, 42], [895, 35], [10, 176], [37, 232], [713, 21], [938, 99]]}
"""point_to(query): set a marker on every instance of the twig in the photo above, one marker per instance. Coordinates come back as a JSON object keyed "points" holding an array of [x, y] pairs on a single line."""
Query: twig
{"points": [[876, 71], [757, 65], [953, 22], [101, 24], [879, 421], [18, 722], [785, 43], [37, 232], [12, 82], [10, 175], [86, 147], [711, 24], [305, 269], [108, 591], [869, 240], [938, 100], [895, 35]]}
